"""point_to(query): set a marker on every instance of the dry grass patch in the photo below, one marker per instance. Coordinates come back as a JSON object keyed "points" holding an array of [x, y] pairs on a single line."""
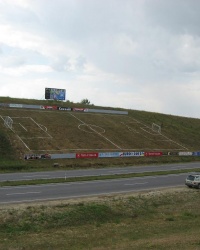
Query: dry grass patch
{"points": [[165, 219]]}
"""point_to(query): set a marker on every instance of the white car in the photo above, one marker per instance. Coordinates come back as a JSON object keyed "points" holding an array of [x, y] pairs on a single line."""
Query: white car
{"points": [[193, 180]]}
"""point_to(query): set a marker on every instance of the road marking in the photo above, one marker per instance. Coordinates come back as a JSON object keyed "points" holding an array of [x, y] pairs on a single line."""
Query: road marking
{"points": [[30, 176], [89, 195], [139, 183], [114, 171], [24, 193]]}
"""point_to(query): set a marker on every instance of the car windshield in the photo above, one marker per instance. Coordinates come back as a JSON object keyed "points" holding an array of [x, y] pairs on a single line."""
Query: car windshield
{"points": [[190, 177]]}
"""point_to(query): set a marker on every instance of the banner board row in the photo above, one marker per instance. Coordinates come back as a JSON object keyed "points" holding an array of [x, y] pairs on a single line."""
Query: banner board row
{"points": [[54, 107], [107, 155]]}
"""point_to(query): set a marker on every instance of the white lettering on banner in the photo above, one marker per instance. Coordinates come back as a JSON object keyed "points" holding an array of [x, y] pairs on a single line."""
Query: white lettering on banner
{"points": [[87, 155], [109, 154], [63, 108], [129, 154]]}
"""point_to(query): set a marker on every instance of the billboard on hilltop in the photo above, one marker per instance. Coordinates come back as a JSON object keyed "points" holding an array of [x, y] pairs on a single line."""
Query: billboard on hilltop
{"points": [[55, 94]]}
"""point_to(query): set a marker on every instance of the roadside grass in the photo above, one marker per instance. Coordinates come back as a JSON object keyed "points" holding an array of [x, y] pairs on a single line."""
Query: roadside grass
{"points": [[93, 178], [10, 165], [168, 219]]}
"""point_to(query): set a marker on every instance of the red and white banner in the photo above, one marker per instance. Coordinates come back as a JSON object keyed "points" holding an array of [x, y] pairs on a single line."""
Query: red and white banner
{"points": [[87, 155], [153, 153], [79, 109], [49, 107]]}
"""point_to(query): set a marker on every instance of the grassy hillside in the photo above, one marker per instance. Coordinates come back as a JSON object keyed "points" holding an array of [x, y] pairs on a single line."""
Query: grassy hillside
{"points": [[159, 220], [42, 131]]}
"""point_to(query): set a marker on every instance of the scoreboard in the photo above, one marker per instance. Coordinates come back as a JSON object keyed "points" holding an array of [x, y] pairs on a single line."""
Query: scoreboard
{"points": [[55, 94]]}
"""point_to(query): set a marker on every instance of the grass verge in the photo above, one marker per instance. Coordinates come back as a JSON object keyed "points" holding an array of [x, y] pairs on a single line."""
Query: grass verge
{"points": [[155, 220]]}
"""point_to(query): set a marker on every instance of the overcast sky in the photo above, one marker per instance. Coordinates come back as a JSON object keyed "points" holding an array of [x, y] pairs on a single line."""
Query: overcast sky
{"points": [[135, 54]]}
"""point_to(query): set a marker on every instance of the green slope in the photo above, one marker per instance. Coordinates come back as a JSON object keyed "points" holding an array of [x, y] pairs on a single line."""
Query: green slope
{"points": [[61, 132]]}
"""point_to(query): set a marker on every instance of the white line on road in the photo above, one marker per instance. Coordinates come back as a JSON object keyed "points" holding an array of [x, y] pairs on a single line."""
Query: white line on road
{"points": [[130, 184], [114, 171], [30, 176], [24, 193], [81, 196]]}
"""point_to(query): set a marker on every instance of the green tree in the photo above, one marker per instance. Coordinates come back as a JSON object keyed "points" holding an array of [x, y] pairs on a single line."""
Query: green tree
{"points": [[85, 101]]}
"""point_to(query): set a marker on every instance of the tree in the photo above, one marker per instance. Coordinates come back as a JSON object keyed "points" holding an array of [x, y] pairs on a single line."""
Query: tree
{"points": [[85, 101]]}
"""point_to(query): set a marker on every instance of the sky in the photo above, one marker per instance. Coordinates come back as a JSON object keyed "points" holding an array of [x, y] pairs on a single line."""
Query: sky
{"points": [[132, 54]]}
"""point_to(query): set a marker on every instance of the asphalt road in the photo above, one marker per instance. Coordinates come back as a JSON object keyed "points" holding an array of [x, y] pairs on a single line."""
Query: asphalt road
{"points": [[95, 172], [21, 194]]}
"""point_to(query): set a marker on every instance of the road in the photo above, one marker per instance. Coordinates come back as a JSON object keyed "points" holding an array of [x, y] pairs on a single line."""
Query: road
{"points": [[95, 172], [21, 194]]}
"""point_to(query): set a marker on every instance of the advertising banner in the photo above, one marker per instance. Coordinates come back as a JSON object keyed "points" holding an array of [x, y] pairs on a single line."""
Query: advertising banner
{"points": [[4, 104], [87, 155], [79, 109], [50, 107], [130, 154], [117, 112], [63, 156], [27, 106], [11, 105], [170, 153], [185, 153], [153, 154], [196, 153], [64, 108], [109, 154], [36, 156]]}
